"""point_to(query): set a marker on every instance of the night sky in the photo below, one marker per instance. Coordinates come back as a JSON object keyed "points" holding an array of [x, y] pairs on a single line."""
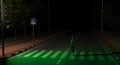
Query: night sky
{"points": [[74, 14], [78, 15]]}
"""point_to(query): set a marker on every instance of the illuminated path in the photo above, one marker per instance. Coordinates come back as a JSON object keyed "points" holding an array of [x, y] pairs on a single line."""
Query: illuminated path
{"points": [[89, 50]]}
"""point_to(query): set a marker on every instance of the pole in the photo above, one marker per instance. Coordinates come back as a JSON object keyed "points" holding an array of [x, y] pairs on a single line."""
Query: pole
{"points": [[2, 27], [102, 19], [48, 15], [94, 18], [33, 34]]}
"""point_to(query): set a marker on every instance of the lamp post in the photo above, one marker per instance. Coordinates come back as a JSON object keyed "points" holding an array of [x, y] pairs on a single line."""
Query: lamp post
{"points": [[94, 16], [48, 16], [102, 18]]}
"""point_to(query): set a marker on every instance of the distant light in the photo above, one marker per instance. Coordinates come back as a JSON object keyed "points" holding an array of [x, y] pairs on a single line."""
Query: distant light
{"points": [[8, 26]]}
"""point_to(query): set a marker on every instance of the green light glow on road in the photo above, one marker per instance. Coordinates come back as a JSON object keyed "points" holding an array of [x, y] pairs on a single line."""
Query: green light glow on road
{"points": [[21, 54], [47, 54], [72, 56], [55, 54], [29, 54], [64, 54], [60, 57], [100, 57], [82, 55], [58, 62], [110, 58], [38, 54], [91, 56]]}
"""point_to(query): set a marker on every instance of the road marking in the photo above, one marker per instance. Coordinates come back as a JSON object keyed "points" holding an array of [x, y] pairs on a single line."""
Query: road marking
{"points": [[111, 58], [64, 54], [108, 51], [72, 56], [104, 47], [58, 62], [55, 54], [23, 53], [101, 57], [82, 55], [91, 56], [38, 54], [47, 54], [29, 54]]}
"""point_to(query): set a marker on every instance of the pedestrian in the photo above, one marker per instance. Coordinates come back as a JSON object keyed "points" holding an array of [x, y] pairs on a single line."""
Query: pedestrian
{"points": [[72, 45]]}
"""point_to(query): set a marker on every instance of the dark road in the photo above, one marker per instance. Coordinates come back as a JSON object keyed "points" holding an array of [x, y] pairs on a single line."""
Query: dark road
{"points": [[88, 41], [89, 50]]}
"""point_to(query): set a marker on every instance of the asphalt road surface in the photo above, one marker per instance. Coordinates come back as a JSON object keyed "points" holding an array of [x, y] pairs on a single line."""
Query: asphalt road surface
{"points": [[89, 50]]}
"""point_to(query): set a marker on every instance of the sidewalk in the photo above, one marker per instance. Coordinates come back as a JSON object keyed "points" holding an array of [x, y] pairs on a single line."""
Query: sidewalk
{"points": [[22, 46], [8, 40]]}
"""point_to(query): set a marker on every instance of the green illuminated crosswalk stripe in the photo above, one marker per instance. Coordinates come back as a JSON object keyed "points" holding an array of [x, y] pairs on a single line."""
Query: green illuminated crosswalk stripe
{"points": [[64, 54], [47, 54], [55, 54], [72, 56], [19, 55], [82, 55], [110, 58], [91, 56], [23, 53], [29, 54], [100, 57], [38, 54]]}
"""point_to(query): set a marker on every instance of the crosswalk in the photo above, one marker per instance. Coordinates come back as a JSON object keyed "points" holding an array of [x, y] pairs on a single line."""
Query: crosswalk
{"points": [[81, 55]]}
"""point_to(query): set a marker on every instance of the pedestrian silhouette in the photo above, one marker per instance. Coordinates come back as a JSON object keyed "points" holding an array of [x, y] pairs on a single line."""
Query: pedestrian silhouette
{"points": [[72, 45]]}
